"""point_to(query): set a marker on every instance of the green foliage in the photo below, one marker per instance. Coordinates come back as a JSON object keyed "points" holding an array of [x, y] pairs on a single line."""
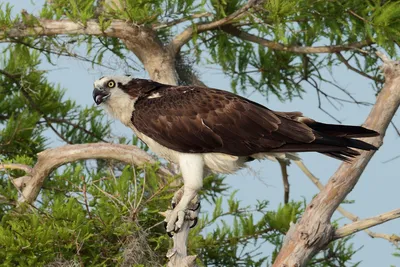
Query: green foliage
{"points": [[102, 213]]}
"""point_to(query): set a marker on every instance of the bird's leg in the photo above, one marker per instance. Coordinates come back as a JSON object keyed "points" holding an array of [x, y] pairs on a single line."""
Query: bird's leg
{"points": [[192, 166]]}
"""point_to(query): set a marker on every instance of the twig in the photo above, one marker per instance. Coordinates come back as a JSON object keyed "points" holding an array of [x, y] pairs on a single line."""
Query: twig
{"points": [[389, 160], [346, 62], [395, 128], [178, 21], [366, 223], [285, 179]]}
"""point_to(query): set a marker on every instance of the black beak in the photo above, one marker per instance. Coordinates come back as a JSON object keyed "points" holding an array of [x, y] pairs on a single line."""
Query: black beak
{"points": [[99, 96]]}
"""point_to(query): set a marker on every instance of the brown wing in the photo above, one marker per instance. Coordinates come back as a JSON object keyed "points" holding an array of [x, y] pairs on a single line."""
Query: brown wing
{"points": [[199, 120]]}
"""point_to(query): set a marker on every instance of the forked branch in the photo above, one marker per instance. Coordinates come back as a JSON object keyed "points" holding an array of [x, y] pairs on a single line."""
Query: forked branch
{"points": [[357, 226], [394, 239], [314, 231]]}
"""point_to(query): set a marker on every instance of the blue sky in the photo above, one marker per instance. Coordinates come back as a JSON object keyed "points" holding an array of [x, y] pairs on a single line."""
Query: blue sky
{"points": [[376, 192]]}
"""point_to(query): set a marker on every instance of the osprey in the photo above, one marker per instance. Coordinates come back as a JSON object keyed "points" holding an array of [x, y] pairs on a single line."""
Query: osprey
{"points": [[209, 129]]}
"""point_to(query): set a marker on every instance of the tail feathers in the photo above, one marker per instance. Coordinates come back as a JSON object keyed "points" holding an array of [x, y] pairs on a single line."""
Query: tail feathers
{"points": [[344, 142], [344, 155], [341, 148], [340, 130]]}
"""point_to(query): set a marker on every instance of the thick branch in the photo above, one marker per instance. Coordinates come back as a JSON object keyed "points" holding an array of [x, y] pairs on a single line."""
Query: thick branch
{"points": [[141, 40], [295, 49], [357, 226], [314, 231], [184, 37], [117, 28], [50, 159]]}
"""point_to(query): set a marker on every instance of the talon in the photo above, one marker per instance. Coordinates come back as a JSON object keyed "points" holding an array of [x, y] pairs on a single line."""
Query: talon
{"points": [[197, 207], [194, 222], [170, 234], [173, 204]]}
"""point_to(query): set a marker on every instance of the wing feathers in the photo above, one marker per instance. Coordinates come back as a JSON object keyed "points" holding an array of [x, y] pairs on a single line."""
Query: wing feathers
{"points": [[200, 120]]}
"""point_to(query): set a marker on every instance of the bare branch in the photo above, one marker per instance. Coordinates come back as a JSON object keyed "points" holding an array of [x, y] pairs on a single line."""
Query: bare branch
{"points": [[117, 28], [182, 38], [178, 21], [14, 166], [285, 179], [357, 226], [395, 239], [141, 40], [51, 159], [314, 231], [346, 62], [296, 49], [391, 238]]}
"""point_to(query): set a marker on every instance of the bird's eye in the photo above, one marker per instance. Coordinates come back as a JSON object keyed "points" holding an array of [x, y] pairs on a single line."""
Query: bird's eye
{"points": [[111, 84]]}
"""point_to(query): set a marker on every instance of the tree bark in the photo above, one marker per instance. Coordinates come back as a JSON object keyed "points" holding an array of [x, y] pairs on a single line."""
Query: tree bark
{"points": [[314, 231], [51, 159]]}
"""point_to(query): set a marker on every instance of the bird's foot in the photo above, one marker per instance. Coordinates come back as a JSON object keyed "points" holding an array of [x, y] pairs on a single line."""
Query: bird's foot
{"points": [[181, 212]]}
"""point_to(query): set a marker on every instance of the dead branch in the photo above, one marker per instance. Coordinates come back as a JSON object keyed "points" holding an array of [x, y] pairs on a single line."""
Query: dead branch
{"points": [[314, 230], [357, 226], [51, 159], [391, 238]]}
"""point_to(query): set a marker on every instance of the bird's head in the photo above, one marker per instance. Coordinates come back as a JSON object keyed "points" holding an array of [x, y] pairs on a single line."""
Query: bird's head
{"points": [[118, 94], [110, 87]]}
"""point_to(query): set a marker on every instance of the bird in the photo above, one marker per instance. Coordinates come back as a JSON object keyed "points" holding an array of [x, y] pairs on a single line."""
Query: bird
{"points": [[205, 129]]}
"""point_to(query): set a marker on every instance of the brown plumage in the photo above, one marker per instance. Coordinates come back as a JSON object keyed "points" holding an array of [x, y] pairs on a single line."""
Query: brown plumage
{"points": [[193, 119]]}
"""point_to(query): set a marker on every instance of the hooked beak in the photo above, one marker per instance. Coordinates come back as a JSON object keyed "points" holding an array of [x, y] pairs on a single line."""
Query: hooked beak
{"points": [[99, 96]]}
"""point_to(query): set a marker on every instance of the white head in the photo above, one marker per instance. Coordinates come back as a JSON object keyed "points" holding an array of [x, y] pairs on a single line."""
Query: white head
{"points": [[110, 92], [118, 94]]}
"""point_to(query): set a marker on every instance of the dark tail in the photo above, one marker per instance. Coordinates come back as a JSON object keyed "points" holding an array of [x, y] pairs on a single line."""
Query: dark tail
{"points": [[341, 130], [341, 136], [334, 140]]}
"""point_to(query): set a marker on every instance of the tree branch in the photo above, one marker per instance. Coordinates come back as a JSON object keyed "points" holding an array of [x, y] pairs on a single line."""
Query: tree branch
{"points": [[141, 40], [51, 159], [346, 62], [391, 238], [314, 231], [285, 178], [178, 21], [295, 49], [184, 37], [14, 166], [357, 226]]}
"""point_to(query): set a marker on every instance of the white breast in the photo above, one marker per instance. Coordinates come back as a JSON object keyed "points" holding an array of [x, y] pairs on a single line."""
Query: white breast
{"points": [[120, 106]]}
